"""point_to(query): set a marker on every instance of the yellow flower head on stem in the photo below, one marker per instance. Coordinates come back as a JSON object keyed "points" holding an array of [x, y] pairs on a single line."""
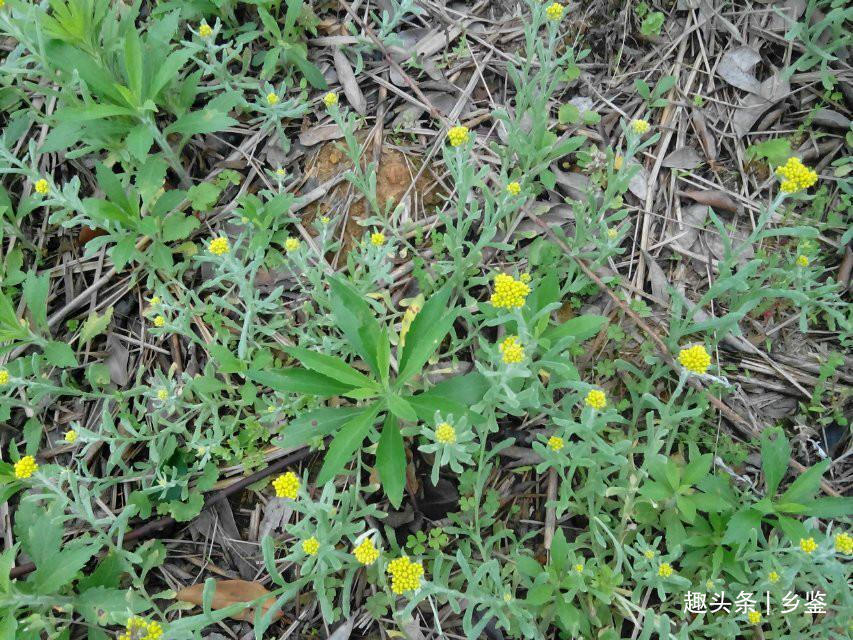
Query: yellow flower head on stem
{"points": [[640, 126], [795, 176], [159, 321], [272, 99], [844, 543], [802, 261], [366, 553], [25, 467], [70, 436], [377, 239], [204, 30], [555, 443], [665, 570], [808, 545], [280, 172], [219, 246], [513, 188], [579, 567], [555, 11], [695, 359], [649, 554], [286, 485], [4, 377], [596, 399], [162, 395], [291, 244], [405, 575], [754, 617], [445, 433], [311, 546], [458, 135], [330, 99], [509, 293], [512, 350], [773, 577], [42, 187], [612, 233]]}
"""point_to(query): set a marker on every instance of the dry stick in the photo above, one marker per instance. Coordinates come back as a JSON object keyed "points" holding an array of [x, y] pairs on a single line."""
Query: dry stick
{"points": [[739, 421], [153, 526]]}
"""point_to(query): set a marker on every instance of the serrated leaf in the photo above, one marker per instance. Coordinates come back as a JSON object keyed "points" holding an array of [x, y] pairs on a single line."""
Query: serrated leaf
{"points": [[95, 325]]}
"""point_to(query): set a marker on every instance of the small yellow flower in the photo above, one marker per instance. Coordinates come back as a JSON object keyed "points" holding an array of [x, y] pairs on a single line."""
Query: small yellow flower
{"points": [[162, 395], [795, 176], [639, 126], [272, 99], [802, 261], [596, 399], [665, 570], [325, 219], [25, 467], [219, 246], [159, 321], [155, 300], [695, 359], [330, 99], [286, 485], [808, 545], [366, 553], [525, 278], [445, 433], [138, 629], [280, 172], [709, 585], [754, 617], [844, 543], [773, 577], [458, 135], [377, 239], [204, 30], [4, 377], [579, 568], [70, 436], [555, 443], [405, 575], [512, 350], [509, 293], [612, 233], [42, 187], [311, 546], [513, 188], [291, 244], [649, 554], [554, 11], [618, 161]]}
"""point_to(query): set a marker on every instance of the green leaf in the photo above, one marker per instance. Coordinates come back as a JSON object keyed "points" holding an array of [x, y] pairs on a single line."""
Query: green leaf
{"points": [[59, 568], [186, 511], [228, 362], [36, 293], [391, 461], [775, 455], [298, 380], [346, 443], [356, 321], [830, 507], [580, 328], [60, 354], [203, 121], [95, 325], [741, 525], [330, 366], [569, 114], [179, 226], [559, 550], [428, 329], [807, 484], [400, 408], [133, 63]]}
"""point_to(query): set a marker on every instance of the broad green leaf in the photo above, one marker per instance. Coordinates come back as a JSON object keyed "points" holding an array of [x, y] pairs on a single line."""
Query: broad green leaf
{"points": [[95, 325], [330, 366], [298, 380], [741, 525], [133, 63], [59, 568], [199, 122], [314, 424], [354, 314], [401, 408], [830, 507], [346, 442], [60, 354], [228, 362], [775, 455], [179, 226], [427, 331], [559, 550], [36, 293], [807, 484], [391, 461], [580, 328]]}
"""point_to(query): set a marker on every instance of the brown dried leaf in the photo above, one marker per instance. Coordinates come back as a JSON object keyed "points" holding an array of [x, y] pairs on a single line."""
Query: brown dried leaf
{"points": [[693, 218], [736, 68], [230, 592], [719, 200], [320, 133], [657, 278], [350, 85], [683, 158], [709, 144], [639, 184]]}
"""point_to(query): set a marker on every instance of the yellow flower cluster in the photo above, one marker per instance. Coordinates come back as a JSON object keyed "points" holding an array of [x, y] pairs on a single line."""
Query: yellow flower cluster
{"points": [[25, 467], [162, 395], [665, 570], [554, 11], [311, 546], [280, 172], [42, 187], [405, 575], [286, 485], [596, 399], [512, 350], [204, 30], [844, 543], [579, 568], [366, 553], [649, 554], [155, 300], [377, 239], [70, 436], [458, 135], [773, 577], [695, 359], [138, 629], [802, 261], [159, 321], [808, 544], [325, 219], [795, 176], [555, 443], [612, 233], [509, 292], [4, 377], [272, 98], [445, 433], [640, 126], [330, 99], [513, 188], [291, 244], [754, 617], [219, 246]]}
